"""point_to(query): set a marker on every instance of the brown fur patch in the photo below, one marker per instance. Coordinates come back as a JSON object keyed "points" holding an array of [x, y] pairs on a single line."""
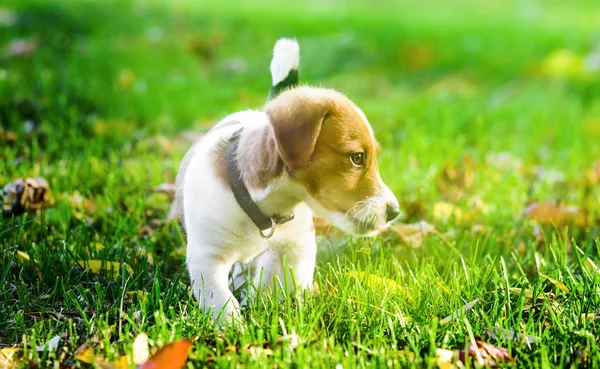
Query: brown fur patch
{"points": [[317, 130], [219, 161]]}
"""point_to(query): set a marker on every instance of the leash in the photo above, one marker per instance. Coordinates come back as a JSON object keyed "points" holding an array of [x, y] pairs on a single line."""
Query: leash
{"points": [[242, 196]]}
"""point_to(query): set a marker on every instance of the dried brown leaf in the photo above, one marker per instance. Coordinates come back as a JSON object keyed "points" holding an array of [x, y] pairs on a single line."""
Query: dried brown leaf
{"points": [[454, 181], [24, 195], [166, 188], [548, 213], [485, 353], [7, 137], [413, 234]]}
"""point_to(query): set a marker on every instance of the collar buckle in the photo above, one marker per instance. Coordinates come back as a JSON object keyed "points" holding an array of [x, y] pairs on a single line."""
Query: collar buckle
{"points": [[242, 196]]}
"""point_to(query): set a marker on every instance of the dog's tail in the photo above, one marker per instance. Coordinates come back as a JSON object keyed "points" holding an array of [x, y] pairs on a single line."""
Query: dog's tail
{"points": [[284, 66]]}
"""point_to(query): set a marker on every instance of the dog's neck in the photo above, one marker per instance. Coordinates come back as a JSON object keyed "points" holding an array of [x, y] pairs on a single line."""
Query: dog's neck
{"points": [[264, 173]]}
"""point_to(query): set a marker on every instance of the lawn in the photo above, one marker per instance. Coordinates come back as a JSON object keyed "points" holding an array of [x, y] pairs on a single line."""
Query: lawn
{"points": [[488, 114]]}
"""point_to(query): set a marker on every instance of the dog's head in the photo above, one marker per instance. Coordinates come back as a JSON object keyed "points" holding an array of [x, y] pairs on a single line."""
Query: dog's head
{"points": [[329, 148]]}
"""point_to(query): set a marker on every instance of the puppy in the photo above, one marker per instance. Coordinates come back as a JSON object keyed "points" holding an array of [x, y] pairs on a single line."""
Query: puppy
{"points": [[248, 189]]}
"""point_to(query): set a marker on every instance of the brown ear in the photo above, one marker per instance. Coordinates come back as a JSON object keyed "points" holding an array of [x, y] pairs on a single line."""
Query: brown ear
{"points": [[296, 121]]}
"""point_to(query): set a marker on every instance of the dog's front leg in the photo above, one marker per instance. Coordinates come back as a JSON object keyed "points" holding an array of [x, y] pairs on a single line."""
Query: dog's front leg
{"points": [[291, 262], [299, 258], [209, 278]]}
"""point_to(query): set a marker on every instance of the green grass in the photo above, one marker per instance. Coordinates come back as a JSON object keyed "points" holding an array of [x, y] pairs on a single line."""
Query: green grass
{"points": [[113, 87]]}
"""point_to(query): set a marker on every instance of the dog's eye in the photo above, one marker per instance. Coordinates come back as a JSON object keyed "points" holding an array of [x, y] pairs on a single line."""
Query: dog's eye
{"points": [[358, 159]]}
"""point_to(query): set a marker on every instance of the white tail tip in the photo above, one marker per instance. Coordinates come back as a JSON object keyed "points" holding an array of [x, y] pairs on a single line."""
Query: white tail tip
{"points": [[286, 57]]}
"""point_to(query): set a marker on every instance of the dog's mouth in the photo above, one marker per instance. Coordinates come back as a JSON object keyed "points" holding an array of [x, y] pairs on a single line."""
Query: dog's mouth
{"points": [[359, 223], [367, 228]]}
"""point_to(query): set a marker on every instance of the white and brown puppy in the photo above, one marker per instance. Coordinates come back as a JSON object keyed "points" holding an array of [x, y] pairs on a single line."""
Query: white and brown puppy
{"points": [[248, 189]]}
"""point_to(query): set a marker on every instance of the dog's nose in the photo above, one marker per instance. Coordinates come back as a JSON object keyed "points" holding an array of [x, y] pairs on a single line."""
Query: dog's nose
{"points": [[391, 212]]}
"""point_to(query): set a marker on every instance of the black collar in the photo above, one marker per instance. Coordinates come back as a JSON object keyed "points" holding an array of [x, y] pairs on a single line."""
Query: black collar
{"points": [[236, 182]]}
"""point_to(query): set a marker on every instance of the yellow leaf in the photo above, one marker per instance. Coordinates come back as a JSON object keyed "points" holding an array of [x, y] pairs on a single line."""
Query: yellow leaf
{"points": [[97, 246], [446, 211], [140, 349], [558, 284], [113, 127], [139, 294], [10, 357], [121, 363], [445, 358], [108, 268], [563, 63], [23, 258], [375, 281], [85, 355]]}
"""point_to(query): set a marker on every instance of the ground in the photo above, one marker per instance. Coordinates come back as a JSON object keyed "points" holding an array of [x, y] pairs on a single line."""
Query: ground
{"points": [[488, 114]]}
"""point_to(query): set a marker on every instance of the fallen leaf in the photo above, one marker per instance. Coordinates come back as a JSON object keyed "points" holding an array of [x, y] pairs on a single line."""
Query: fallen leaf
{"points": [[171, 356], [109, 268], [504, 161], [484, 353], [140, 295], [20, 47], [10, 357], [24, 195], [563, 63], [534, 305], [78, 201], [445, 211], [140, 349], [460, 312], [23, 258], [7, 137], [453, 181], [547, 213], [375, 281], [413, 234], [166, 188], [416, 56], [113, 127], [85, 354], [499, 334], [292, 340], [445, 358], [52, 345], [550, 175], [561, 286]]}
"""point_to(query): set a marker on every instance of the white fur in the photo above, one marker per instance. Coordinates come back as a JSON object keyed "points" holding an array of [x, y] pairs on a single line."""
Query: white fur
{"points": [[220, 234], [286, 57]]}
